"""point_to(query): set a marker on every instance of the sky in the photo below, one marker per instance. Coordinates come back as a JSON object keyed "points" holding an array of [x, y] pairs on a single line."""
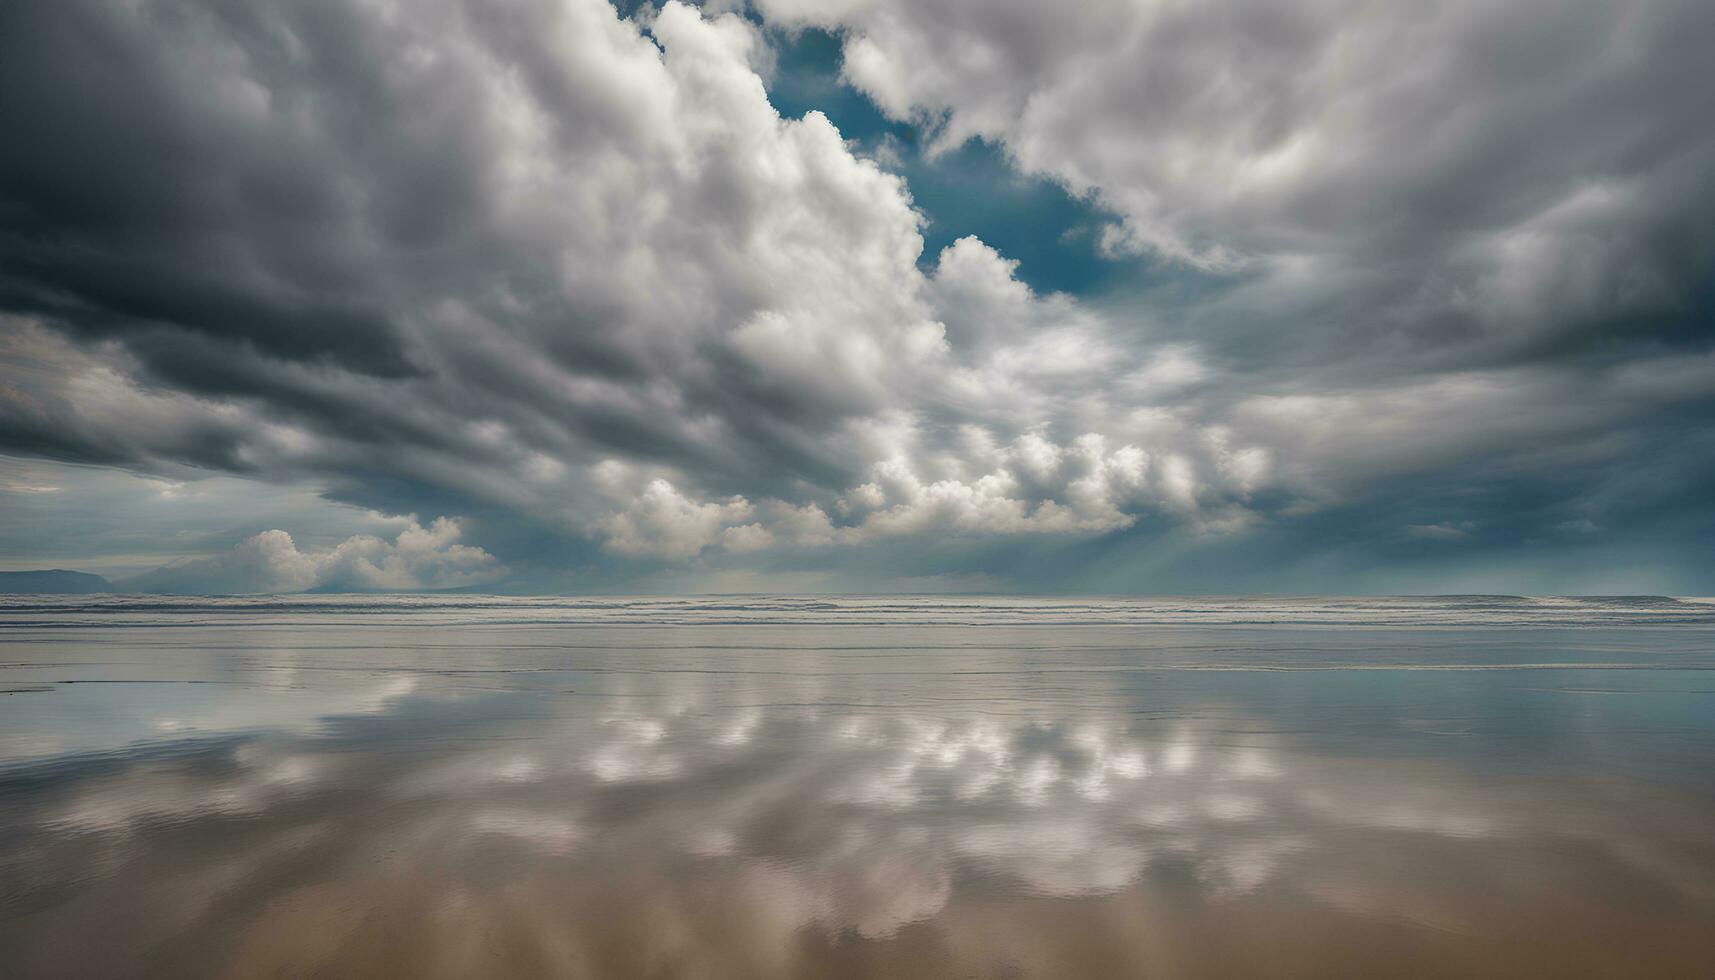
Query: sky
{"points": [[1112, 296]]}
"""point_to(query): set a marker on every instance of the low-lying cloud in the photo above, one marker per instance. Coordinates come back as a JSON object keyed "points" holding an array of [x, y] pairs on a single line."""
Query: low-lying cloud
{"points": [[271, 562]]}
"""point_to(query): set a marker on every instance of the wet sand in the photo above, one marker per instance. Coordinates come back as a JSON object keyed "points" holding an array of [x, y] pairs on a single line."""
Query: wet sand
{"points": [[818, 788]]}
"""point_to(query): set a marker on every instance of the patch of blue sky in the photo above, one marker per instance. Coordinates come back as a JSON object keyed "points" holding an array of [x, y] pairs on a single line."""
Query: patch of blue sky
{"points": [[971, 190]]}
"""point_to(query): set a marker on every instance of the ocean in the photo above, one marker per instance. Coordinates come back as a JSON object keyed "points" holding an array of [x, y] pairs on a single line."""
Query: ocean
{"points": [[758, 787]]}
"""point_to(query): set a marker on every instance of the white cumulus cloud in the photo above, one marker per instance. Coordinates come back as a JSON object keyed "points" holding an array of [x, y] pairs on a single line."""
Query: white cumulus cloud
{"points": [[271, 562]]}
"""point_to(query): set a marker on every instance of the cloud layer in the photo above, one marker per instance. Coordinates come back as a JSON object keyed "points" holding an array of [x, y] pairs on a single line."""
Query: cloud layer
{"points": [[571, 276]]}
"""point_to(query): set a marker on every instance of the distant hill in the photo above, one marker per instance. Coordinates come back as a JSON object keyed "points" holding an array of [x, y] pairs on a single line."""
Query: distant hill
{"points": [[53, 580]]}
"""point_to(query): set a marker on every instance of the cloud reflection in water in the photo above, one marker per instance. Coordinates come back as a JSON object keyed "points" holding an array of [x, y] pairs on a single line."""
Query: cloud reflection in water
{"points": [[698, 823]]}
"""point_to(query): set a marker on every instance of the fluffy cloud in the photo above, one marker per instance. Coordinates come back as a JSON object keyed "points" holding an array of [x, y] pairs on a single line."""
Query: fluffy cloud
{"points": [[979, 488], [556, 234], [271, 562], [661, 521], [625, 256], [553, 236], [1455, 170]]}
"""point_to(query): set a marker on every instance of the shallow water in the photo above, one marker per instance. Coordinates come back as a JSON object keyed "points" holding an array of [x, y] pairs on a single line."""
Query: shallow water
{"points": [[426, 787]]}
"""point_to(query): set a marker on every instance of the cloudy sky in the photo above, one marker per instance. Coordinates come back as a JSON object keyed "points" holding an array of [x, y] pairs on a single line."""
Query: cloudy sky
{"points": [[809, 295]]}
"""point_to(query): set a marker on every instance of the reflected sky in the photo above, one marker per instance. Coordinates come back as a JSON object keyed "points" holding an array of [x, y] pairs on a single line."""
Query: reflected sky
{"points": [[215, 797]]}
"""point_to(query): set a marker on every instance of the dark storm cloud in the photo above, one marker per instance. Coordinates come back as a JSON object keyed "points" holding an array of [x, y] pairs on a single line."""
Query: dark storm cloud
{"points": [[1433, 272], [133, 198], [227, 187]]}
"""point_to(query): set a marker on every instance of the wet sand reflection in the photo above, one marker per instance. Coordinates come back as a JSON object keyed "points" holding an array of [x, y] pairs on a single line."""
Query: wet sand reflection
{"points": [[715, 821]]}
